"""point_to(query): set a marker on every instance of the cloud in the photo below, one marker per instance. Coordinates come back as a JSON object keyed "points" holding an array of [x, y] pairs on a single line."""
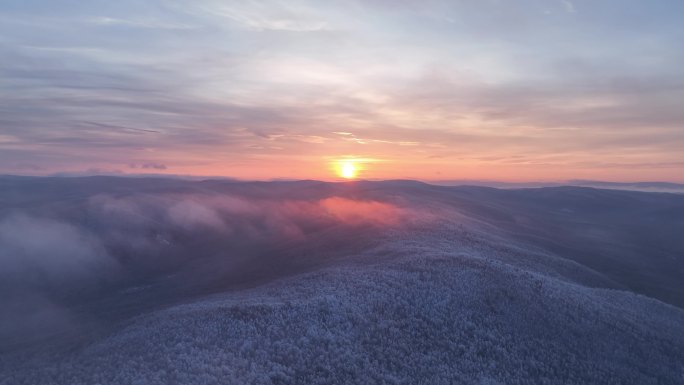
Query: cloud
{"points": [[411, 82], [569, 6], [149, 166], [191, 214], [154, 24], [276, 16], [42, 260], [47, 252]]}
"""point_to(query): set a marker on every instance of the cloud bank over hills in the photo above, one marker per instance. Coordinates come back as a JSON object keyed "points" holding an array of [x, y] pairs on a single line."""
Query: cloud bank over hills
{"points": [[139, 280]]}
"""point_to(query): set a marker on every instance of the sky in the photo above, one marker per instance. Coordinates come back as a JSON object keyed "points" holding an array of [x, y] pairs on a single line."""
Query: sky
{"points": [[524, 90]]}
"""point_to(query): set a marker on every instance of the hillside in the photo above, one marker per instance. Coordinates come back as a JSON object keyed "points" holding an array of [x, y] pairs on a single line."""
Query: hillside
{"points": [[117, 280]]}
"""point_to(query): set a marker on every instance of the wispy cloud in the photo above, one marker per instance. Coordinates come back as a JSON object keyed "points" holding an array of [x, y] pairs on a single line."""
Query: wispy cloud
{"points": [[274, 16], [569, 6], [273, 89], [154, 24]]}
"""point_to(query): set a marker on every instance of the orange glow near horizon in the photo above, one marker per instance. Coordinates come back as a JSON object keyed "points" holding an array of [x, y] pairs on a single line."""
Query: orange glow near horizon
{"points": [[380, 164]]}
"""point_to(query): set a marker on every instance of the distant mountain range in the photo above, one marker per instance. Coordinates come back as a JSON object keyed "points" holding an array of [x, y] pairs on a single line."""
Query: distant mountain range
{"points": [[634, 186]]}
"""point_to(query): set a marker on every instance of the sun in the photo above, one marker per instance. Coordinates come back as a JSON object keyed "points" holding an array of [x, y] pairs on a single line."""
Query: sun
{"points": [[348, 170]]}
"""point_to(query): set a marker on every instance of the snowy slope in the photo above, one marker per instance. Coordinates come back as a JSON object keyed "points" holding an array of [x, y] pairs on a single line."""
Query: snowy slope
{"points": [[447, 285]]}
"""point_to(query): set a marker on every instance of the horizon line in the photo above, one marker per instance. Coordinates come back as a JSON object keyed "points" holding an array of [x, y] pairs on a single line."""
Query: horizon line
{"points": [[438, 182]]}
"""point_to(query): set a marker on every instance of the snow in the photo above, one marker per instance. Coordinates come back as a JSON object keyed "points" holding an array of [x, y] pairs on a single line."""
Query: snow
{"points": [[440, 298]]}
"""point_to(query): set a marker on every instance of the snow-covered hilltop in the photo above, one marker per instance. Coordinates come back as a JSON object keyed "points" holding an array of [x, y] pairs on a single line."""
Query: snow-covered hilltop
{"points": [[161, 281]]}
